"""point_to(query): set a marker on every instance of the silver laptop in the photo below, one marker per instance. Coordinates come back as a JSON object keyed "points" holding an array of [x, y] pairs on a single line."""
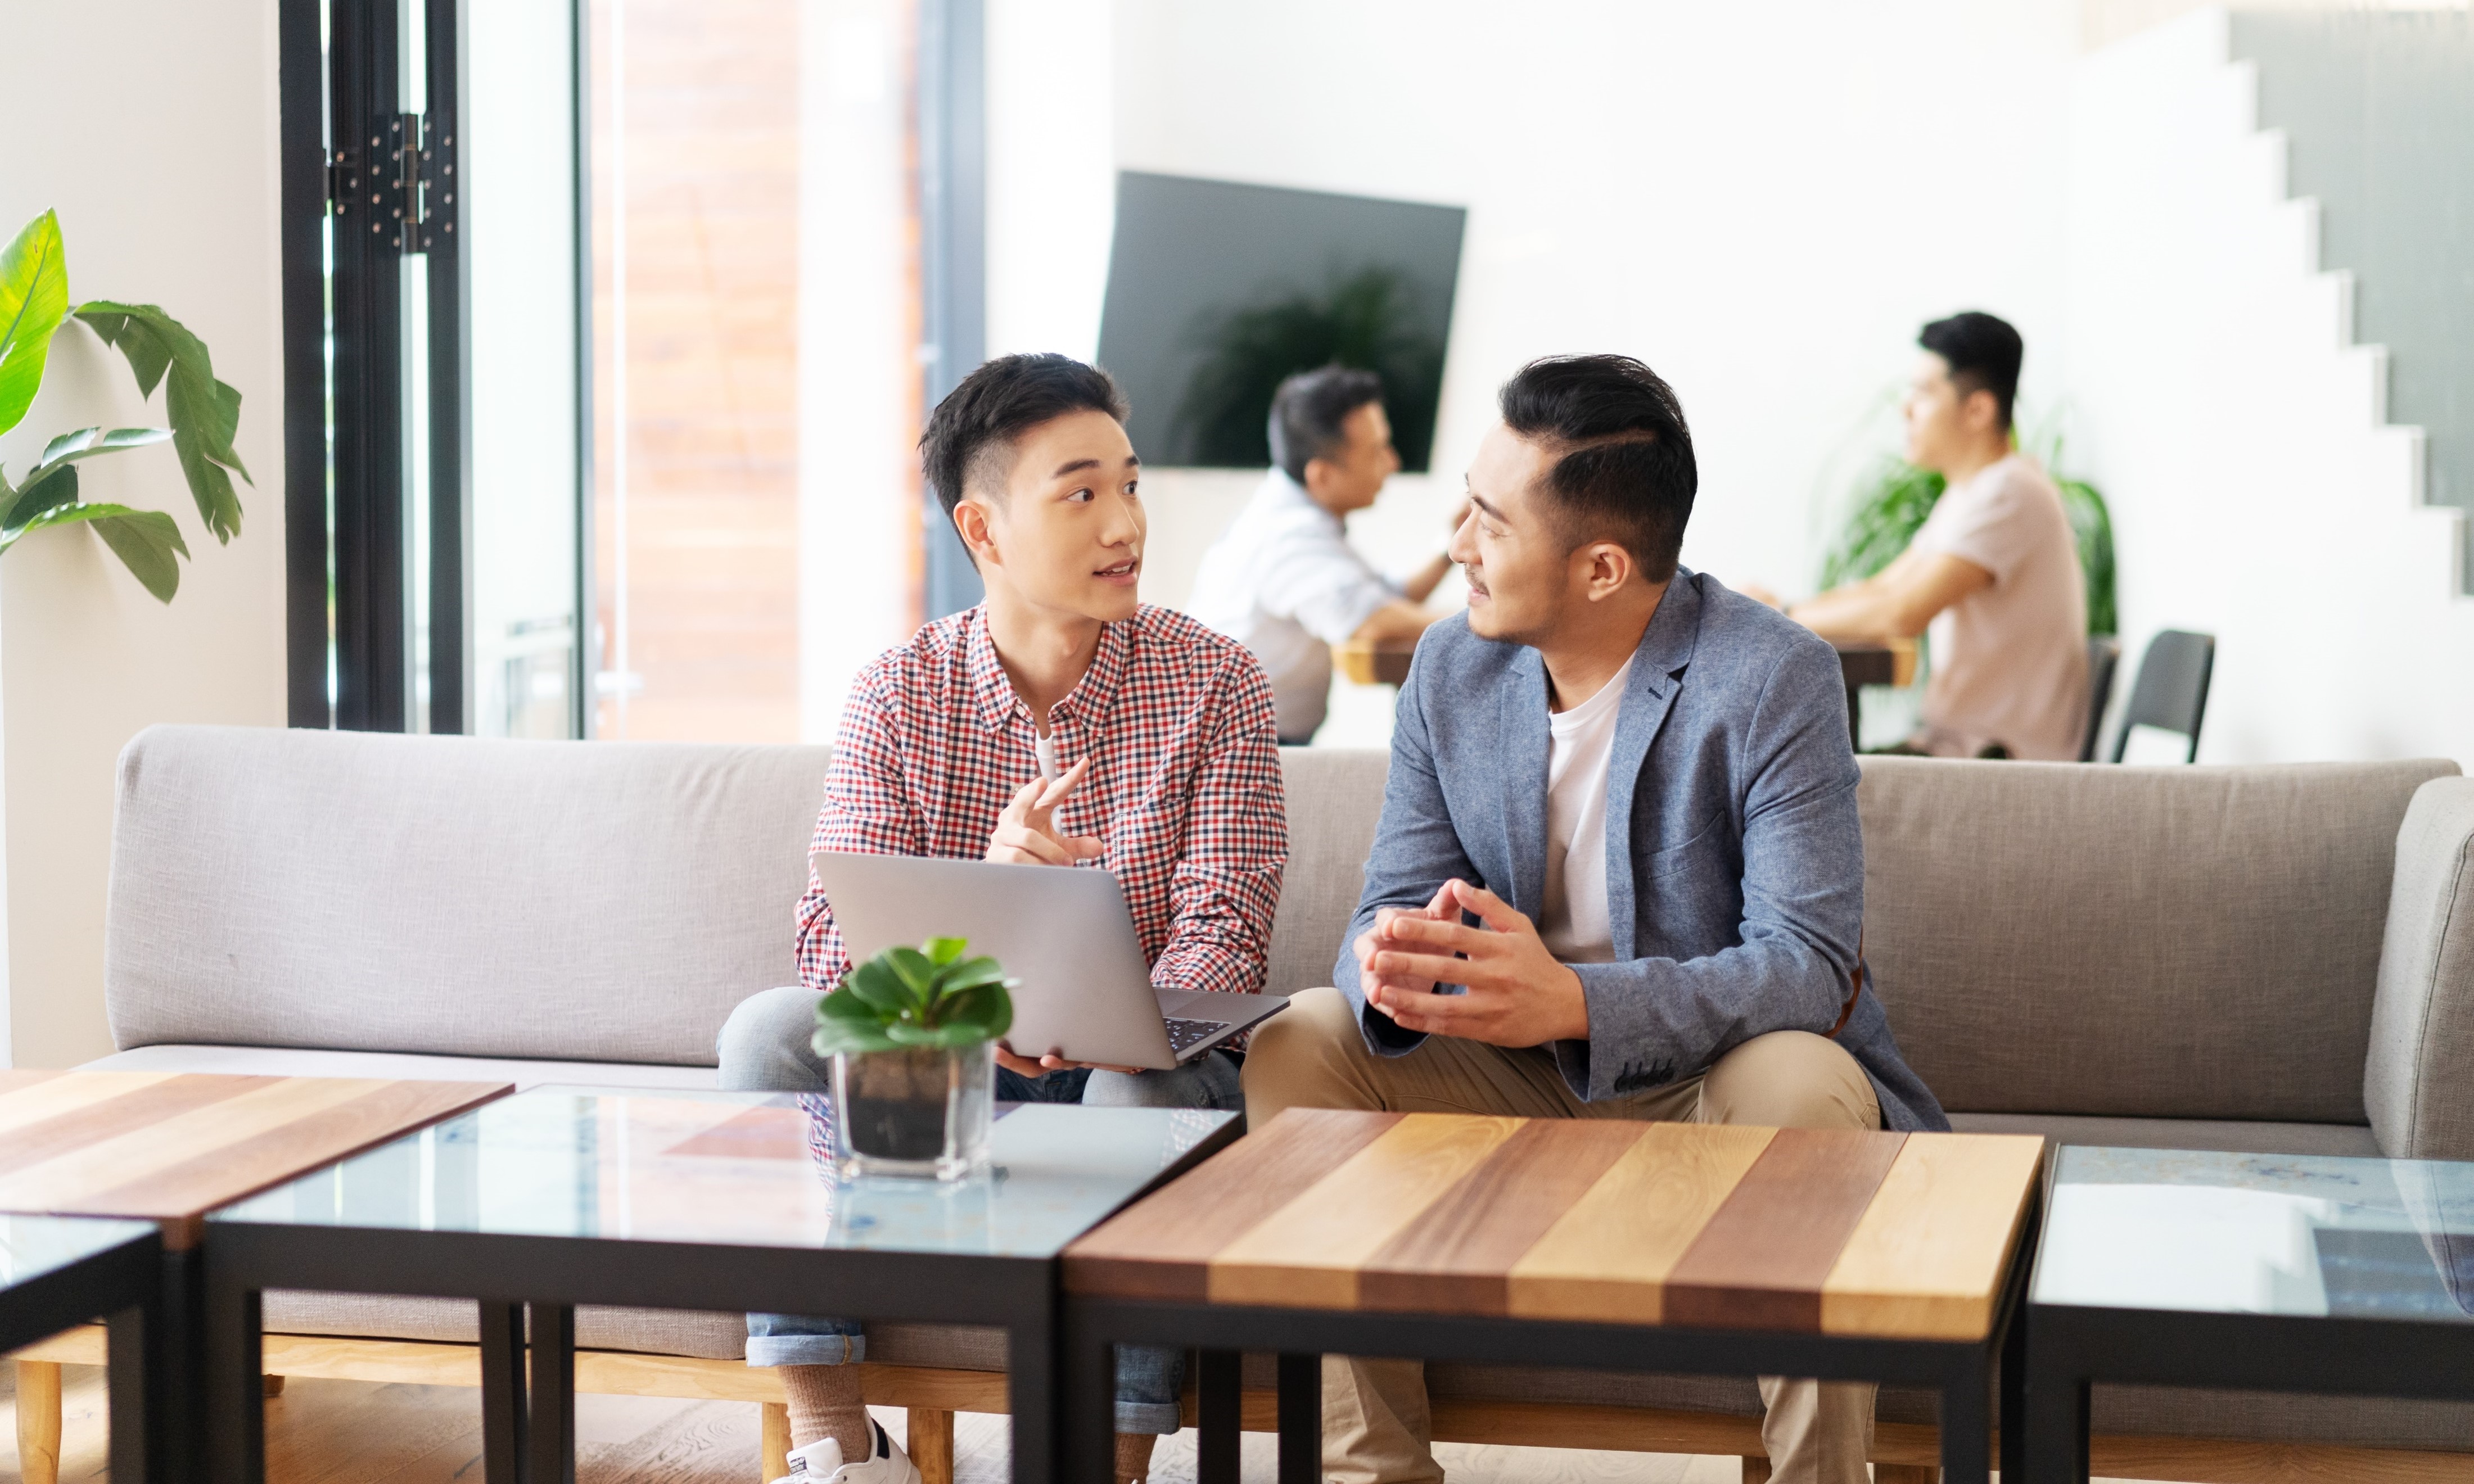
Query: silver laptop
{"points": [[1085, 991]]}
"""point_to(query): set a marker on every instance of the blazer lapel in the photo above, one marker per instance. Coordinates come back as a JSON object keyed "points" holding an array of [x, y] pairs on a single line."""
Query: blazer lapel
{"points": [[1658, 667], [1523, 778]]}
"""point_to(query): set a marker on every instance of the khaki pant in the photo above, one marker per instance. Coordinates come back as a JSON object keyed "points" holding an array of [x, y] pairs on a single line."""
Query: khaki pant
{"points": [[1376, 1427]]}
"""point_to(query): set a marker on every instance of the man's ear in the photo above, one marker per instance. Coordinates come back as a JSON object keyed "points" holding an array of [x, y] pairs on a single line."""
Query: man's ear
{"points": [[972, 525], [1981, 411], [1610, 567], [1322, 470]]}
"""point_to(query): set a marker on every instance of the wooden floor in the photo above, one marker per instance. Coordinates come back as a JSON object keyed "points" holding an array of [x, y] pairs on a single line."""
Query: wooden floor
{"points": [[355, 1432]]}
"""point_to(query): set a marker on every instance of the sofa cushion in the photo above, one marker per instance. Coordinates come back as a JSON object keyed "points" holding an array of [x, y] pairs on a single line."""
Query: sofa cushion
{"points": [[2190, 942], [2423, 1028], [579, 901], [294, 1062], [1335, 801], [2242, 1136]]}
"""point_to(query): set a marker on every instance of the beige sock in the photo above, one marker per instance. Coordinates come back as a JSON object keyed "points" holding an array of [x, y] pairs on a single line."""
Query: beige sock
{"points": [[1134, 1456], [825, 1403]]}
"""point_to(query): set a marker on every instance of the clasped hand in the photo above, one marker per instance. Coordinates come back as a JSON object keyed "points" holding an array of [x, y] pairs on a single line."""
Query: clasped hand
{"points": [[1518, 995], [1028, 834]]}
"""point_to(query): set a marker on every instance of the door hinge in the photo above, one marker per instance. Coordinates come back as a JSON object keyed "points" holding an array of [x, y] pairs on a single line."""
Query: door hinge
{"points": [[406, 188]]}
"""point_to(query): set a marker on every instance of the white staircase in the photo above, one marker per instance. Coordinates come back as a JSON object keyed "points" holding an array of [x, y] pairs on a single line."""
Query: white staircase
{"points": [[2220, 403]]}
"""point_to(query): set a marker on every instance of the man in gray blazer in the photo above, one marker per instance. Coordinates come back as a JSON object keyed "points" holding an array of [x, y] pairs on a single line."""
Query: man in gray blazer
{"points": [[1619, 872]]}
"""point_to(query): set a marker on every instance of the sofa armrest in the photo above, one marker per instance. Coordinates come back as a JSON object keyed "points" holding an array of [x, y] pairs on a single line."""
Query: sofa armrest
{"points": [[2422, 1019]]}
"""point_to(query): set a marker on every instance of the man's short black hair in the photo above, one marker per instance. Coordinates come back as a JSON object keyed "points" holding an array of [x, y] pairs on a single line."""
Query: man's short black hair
{"points": [[971, 433], [1983, 353], [1307, 412], [1624, 467]]}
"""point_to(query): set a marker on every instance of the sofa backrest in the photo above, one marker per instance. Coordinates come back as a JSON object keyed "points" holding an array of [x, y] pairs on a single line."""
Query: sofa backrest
{"points": [[575, 900], [2139, 941], [2422, 1025], [572, 901]]}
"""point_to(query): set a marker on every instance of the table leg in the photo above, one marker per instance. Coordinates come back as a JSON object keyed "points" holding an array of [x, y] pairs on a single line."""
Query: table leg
{"points": [[1219, 1415], [1965, 1428], [131, 1358], [502, 1392], [550, 1443], [232, 1398], [1054, 1433], [2057, 1445], [2014, 1394], [1300, 1392], [180, 1418]]}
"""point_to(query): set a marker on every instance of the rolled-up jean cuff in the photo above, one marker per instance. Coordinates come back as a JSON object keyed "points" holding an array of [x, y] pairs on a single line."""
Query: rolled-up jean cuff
{"points": [[806, 1350], [1154, 1417]]}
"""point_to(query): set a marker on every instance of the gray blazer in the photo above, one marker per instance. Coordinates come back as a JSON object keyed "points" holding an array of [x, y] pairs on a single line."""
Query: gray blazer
{"points": [[1735, 857]]}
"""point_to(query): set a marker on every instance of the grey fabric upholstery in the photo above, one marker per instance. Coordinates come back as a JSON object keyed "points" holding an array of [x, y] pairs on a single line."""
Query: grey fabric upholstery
{"points": [[2422, 1022], [604, 903], [1335, 799], [2163, 942], [2182, 958]]}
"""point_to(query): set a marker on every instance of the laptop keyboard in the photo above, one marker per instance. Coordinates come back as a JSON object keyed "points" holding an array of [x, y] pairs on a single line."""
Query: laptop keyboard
{"points": [[1184, 1035]]}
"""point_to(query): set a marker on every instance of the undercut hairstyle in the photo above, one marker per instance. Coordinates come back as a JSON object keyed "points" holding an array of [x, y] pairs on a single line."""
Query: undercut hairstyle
{"points": [[1307, 412], [1983, 353], [1623, 469], [970, 437]]}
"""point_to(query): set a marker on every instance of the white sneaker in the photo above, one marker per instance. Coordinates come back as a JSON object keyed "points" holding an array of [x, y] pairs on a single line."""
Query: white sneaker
{"points": [[821, 1463]]}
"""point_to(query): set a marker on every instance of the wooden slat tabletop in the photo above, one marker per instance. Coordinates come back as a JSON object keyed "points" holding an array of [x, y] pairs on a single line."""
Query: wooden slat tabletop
{"points": [[171, 1146], [1901, 1235]]}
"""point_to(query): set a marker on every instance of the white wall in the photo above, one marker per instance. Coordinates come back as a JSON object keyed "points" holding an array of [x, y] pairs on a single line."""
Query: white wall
{"points": [[159, 150], [2257, 493]]}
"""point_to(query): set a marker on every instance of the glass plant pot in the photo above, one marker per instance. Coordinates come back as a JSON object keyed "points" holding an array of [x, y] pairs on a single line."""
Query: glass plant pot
{"points": [[923, 1113]]}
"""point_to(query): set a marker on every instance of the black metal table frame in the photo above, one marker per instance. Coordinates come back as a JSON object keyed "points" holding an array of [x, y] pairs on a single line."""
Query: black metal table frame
{"points": [[2071, 1347], [1963, 1372], [123, 1287], [528, 1423]]}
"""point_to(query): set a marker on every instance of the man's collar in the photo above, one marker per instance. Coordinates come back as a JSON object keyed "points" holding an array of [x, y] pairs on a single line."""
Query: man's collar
{"points": [[1086, 704], [1667, 645], [1278, 485]]}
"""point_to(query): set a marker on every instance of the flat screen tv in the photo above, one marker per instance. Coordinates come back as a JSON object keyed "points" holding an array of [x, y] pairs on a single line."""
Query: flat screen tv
{"points": [[1216, 290]]}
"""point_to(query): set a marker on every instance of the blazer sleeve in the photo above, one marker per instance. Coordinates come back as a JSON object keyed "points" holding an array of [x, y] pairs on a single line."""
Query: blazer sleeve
{"points": [[1655, 1019], [1416, 851]]}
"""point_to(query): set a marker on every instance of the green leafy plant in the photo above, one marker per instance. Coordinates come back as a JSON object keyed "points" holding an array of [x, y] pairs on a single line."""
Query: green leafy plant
{"points": [[1890, 505], [1368, 319], [904, 999], [204, 412]]}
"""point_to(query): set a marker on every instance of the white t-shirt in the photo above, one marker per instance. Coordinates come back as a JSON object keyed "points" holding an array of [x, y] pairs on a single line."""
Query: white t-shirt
{"points": [[2009, 662], [1284, 582], [1579, 744]]}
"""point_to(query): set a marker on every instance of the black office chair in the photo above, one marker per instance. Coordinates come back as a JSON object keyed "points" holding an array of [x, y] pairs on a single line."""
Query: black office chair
{"points": [[2171, 691], [2104, 657]]}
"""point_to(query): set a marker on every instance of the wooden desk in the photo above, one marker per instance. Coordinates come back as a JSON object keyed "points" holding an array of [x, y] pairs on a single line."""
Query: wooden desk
{"points": [[1863, 662], [168, 1147], [1373, 664], [1634, 1246]]}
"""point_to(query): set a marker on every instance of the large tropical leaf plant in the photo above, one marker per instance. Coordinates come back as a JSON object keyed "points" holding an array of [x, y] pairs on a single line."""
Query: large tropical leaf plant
{"points": [[204, 414]]}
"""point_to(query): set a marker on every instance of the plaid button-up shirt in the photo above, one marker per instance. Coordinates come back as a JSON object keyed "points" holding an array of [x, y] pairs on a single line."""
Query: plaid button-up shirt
{"points": [[1184, 786]]}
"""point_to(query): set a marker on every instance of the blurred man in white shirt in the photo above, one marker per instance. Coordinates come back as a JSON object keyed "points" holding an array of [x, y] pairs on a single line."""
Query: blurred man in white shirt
{"points": [[1282, 580]]}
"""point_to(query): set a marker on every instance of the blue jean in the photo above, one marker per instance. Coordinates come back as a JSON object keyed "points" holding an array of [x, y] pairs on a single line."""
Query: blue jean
{"points": [[765, 1049]]}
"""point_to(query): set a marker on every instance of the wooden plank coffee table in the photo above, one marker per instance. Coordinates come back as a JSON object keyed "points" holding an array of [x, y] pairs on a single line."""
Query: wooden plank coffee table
{"points": [[1623, 1246], [168, 1147]]}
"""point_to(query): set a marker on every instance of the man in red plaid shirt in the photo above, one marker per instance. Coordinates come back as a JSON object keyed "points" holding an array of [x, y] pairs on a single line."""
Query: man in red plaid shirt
{"points": [[1173, 784]]}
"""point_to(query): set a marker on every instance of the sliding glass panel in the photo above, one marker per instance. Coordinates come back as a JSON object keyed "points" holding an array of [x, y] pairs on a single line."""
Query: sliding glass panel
{"points": [[520, 215]]}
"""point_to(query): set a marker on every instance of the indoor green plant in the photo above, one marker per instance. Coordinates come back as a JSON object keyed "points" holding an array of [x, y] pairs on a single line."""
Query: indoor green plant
{"points": [[1890, 505], [204, 412], [913, 1033]]}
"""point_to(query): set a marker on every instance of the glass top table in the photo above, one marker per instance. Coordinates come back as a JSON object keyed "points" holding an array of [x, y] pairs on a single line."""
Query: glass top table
{"points": [[2251, 1233], [35, 1247], [734, 1169], [560, 1197], [2246, 1271]]}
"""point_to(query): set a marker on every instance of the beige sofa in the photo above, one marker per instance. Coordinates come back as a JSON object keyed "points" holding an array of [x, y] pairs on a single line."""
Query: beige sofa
{"points": [[2277, 959]]}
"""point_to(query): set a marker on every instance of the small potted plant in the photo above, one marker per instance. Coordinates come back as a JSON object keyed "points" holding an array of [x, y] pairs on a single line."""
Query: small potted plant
{"points": [[913, 1033]]}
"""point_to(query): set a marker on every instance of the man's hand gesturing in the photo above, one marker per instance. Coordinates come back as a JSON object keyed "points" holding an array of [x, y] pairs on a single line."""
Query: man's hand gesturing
{"points": [[1027, 832], [1518, 995]]}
